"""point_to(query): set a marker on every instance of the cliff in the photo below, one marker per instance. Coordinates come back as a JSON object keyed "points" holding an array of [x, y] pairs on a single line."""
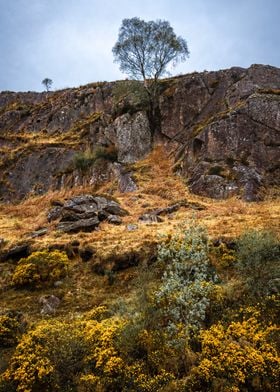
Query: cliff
{"points": [[221, 128]]}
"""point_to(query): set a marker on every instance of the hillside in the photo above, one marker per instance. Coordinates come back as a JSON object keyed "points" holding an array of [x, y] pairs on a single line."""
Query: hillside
{"points": [[135, 258]]}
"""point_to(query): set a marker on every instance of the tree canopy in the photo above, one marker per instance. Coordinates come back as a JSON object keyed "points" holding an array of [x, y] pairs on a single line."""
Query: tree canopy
{"points": [[145, 49], [47, 82]]}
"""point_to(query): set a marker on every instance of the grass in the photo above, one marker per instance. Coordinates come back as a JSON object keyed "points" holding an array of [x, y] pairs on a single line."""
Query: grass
{"points": [[158, 187]]}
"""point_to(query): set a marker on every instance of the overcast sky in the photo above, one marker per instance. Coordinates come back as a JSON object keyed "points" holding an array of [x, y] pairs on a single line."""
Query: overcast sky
{"points": [[70, 41]]}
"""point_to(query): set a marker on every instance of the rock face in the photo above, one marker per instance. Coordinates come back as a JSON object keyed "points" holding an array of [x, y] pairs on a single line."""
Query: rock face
{"points": [[228, 125], [85, 212], [222, 127]]}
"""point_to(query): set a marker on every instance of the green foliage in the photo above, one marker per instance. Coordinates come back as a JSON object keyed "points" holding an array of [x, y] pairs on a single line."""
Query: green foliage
{"points": [[144, 49], [40, 268], [129, 96], [258, 254], [47, 82], [187, 283], [215, 170], [84, 160]]}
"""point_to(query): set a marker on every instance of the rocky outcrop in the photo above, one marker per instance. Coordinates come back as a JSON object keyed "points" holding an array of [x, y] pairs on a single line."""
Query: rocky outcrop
{"points": [[85, 212], [228, 124], [221, 127]]}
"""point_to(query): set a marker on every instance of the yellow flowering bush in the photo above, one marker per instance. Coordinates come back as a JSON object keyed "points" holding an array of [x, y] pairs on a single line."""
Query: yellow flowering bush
{"points": [[9, 330], [47, 358], [236, 358], [81, 355], [40, 268]]}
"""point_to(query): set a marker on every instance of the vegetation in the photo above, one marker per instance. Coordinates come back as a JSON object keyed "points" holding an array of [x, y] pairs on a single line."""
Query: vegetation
{"points": [[84, 160], [144, 50], [47, 82], [258, 254], [40, 268], [187, 318]]}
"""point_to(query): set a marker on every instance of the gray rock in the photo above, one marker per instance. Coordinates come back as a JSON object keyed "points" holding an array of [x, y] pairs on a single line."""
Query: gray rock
{"points": [[79, 225], [150, 218], [131, 227], [16, 252], [133, 137], [58, 283], [39, 232], [49, 304], [54, 213], [114, 219], [126, 183]]}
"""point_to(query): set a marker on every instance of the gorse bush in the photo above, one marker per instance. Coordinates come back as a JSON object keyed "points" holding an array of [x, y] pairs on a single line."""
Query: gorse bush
{"points": [[258, 254], [40, 268], [47, 358], [10, 328], [239, 357], [78, 356]]}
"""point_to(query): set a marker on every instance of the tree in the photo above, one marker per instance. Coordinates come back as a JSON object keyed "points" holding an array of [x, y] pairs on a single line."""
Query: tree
{"points": [[47, 82], [144, 51]]}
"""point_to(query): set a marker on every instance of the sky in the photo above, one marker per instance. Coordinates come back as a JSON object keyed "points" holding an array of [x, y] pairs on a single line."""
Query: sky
{"points": [[70, 41]]}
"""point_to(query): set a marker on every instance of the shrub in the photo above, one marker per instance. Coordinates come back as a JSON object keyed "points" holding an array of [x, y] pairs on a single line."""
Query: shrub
{"points": [[109, 153], [184, 294], [47, 358], [10, 328], [40, 268], [237, 358], [81, 355], [129, 96], [83, 160], [86, 159], [258, 255]]}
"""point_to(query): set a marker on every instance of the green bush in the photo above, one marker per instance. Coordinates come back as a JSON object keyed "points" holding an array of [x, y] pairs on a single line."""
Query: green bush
{"points": [[258, 255], [129, 96], [40, 268], [86, 159], [184, 294]]}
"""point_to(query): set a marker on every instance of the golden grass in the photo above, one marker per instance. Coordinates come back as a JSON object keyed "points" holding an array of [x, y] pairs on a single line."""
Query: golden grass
{"points": [[158, 187]]}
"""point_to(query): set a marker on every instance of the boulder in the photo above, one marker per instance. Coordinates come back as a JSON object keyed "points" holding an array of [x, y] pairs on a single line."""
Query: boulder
{"points": [[114, 219], [16, 252], [150, 218], [49, 304], [85, 212], [79, 225]]}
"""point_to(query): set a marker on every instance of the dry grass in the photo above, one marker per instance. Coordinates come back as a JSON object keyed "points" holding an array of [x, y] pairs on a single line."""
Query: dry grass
{"points": [[158, 187]]}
